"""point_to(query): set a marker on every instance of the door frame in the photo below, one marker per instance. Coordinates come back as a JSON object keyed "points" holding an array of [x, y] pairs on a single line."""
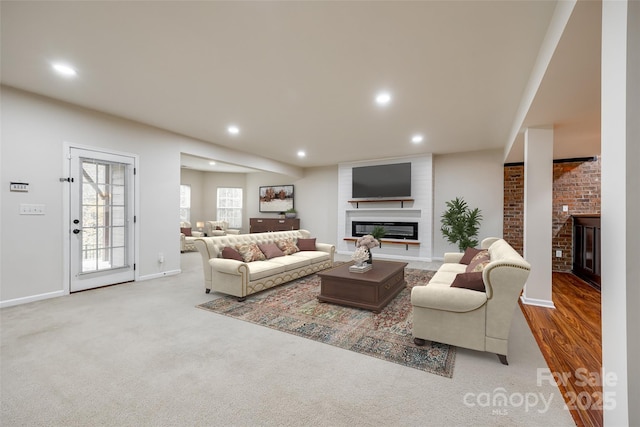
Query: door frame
{"points": [[66, 210]]}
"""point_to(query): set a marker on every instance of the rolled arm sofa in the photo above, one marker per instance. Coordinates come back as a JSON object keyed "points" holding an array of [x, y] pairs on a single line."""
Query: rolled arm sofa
{"points": [[241, 278], [478, 319]]}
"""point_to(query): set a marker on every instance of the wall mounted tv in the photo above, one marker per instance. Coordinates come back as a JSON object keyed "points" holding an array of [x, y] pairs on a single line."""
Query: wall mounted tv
{"points": [[381, 181]]}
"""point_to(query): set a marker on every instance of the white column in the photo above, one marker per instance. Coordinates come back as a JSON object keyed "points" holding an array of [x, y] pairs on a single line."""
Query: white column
{"points": [[538, 207], [620, 219]]}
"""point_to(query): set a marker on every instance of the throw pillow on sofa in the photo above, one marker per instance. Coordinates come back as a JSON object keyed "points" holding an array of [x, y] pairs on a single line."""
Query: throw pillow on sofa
{"points": [[479, 261], [186, 231], [250, 252], [307, 244], [469, 253], [471, 281], [270, 250], [230, 253], [287, 246]]}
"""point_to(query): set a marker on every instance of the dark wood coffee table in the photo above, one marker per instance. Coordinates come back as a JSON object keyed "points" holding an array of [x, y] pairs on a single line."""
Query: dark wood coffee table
{"points": [[371, 290]]}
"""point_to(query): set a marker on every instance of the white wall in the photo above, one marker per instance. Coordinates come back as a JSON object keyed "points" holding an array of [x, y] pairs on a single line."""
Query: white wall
{"points": [[34, 131], [478, 177], [314, 199], [195, 179]]}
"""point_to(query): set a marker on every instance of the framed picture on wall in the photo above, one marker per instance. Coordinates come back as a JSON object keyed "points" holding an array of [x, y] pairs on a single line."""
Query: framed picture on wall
{"points": [[276, 198]]}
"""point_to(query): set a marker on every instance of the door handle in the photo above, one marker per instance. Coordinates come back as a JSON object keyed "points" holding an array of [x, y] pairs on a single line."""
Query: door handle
{"points": [[76, 231]]}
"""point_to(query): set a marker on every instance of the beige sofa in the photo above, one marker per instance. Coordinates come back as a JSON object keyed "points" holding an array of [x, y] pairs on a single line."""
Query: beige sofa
{"points": [[469, 318], [239, 278]]}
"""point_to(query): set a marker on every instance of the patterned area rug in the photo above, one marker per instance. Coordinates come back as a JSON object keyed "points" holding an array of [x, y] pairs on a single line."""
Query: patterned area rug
{"points": [[294, 308]]}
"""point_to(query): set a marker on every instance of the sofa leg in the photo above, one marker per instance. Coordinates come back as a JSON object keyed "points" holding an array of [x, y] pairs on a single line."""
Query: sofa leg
{"points": [[241, 299], [503, 359], [419, 342], [207, 291]]}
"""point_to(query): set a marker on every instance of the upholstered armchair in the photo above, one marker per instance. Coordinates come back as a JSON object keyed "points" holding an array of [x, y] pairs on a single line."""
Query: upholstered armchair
{"points": [[187, 236], [218, 228], [477, 317]]}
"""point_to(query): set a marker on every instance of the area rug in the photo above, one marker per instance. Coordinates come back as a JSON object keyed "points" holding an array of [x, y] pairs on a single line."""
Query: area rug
{"points": [[295, 309]]}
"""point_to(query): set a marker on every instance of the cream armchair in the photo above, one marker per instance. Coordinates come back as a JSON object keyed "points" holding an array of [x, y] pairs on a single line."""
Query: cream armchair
{"points": [[187, 236], [218, 228], [469, 318]]}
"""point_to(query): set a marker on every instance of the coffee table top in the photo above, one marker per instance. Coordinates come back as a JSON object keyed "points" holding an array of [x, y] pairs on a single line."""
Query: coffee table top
{"points": [[381, 271]]}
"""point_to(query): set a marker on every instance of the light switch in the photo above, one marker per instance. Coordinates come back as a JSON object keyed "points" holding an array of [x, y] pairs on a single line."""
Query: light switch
{"points": [[31, 209], [558, 254]]}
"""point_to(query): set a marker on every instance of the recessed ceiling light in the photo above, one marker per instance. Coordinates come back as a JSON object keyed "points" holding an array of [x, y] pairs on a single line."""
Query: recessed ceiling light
{"points": [[233, 130], [65, 69], [383, 98], [212, 163], [417, 139], [302, 154]]}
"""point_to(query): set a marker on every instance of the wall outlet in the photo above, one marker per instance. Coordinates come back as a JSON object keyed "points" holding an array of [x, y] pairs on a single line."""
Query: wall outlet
{"points": [[565, 208], [161, 258], [558, 254]]}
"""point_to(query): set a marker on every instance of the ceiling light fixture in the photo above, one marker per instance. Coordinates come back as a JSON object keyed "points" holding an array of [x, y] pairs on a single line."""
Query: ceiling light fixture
{"points": [[301, 154], [65, 69], [417, 139], [383, 98], [233, 130], [212, 163]]}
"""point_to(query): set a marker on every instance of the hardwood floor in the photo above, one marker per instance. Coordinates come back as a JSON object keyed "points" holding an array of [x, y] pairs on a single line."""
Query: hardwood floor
{"points": [[570, 338]]}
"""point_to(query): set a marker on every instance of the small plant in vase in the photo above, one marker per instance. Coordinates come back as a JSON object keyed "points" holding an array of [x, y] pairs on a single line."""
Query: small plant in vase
{"points": [[368, 242], [291, 213]]}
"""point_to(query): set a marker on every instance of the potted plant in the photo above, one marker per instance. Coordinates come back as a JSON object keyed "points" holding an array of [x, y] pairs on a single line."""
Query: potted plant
{"points": [[460, 224], [290, 213]]}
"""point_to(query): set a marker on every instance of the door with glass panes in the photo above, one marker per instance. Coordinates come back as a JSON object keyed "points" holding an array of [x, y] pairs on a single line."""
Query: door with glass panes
{"points": [[102, 219]]}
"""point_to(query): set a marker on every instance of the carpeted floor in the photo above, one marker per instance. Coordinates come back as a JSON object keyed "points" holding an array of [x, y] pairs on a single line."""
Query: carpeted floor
{"points": [[295, 309]]}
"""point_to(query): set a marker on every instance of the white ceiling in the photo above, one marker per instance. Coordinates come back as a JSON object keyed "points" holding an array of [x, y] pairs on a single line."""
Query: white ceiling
{"points": [[303, 75]]}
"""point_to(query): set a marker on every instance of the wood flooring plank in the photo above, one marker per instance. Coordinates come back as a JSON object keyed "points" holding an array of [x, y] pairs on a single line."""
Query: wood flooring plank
{"points": [[570, 339]]}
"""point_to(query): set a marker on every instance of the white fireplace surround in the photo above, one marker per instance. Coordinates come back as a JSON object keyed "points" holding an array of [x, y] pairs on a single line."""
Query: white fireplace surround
{"points": [[419, 209]]}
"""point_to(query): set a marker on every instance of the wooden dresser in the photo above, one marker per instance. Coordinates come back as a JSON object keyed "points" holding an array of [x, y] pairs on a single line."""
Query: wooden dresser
{"points": [[263, 225]]}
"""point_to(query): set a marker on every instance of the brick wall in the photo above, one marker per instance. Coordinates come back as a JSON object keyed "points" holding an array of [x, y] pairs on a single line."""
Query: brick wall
{"points": [[576, 184], [514, 206]]}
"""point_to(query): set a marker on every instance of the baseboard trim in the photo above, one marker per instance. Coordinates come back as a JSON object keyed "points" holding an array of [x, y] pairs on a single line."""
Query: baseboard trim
{"points": [[158, 275], [537, 302], [32, 298]]}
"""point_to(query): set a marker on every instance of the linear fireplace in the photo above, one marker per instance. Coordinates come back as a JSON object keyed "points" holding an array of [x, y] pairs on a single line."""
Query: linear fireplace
{"points": [[393, 230]]}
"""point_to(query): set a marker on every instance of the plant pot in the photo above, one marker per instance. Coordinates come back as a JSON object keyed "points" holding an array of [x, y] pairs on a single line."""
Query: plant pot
{"points": [[290, 215]]}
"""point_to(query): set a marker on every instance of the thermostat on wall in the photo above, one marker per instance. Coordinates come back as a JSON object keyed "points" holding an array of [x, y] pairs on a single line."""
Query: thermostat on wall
{"points": [[19, 186]]}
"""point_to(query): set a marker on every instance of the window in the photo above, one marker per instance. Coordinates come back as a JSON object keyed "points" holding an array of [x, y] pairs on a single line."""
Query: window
{"points": [[185, 203], [230, 206]]}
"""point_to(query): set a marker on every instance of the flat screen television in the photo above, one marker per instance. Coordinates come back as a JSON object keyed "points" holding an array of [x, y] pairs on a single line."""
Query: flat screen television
{"points": [[381, 181]]}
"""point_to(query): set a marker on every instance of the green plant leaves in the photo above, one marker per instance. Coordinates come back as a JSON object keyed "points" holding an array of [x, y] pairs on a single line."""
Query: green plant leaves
{"points": [[460, 224]]}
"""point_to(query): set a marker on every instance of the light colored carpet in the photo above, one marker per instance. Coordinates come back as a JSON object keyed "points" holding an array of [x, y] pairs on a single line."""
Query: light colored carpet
{"points": [[142, 354]]}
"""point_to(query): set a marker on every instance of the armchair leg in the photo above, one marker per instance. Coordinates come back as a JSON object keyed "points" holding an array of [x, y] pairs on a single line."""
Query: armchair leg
{"points": [[419, 342], [503, 359], [207, 290], [242, 299]]}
